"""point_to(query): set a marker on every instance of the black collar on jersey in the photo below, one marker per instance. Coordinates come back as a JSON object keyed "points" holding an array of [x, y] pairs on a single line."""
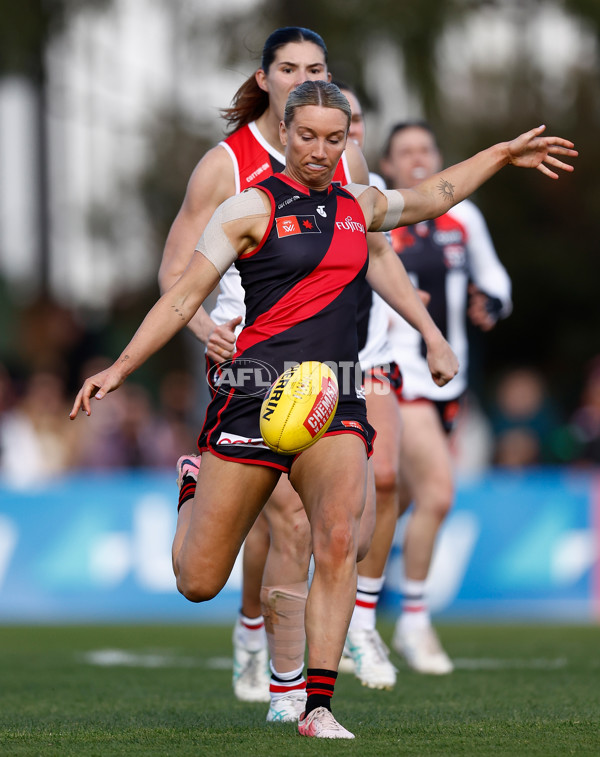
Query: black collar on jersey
{"points": [[301, 188]]}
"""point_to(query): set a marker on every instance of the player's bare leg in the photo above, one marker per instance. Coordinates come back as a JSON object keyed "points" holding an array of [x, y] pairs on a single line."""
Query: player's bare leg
{"points": [[364, 647], [283, 598], [250, 651], [331, 478], [212, 528], [250, 654], [426, 470]]}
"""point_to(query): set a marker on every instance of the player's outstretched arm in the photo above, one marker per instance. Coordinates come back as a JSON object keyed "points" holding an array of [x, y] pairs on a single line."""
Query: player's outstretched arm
{"points": [[168, 316], [437, 194], [236, 227]]}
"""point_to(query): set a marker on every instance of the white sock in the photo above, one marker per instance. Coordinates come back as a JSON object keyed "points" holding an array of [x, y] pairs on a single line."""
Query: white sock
{"points": [[283, 683], [365, 609], [250, 632], [415, 612]]}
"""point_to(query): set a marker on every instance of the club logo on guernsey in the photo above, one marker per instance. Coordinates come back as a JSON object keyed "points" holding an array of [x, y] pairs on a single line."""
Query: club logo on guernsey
{"points": [[323, 407], [287, 226], [349, 224]]}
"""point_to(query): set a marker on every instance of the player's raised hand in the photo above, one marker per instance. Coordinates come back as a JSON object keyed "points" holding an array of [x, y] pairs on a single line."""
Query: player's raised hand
{"points": [[530, 150], [96, 386]]}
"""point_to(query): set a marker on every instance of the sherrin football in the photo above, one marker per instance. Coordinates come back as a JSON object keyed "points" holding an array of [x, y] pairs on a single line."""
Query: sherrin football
{"points": [[299, 407]]}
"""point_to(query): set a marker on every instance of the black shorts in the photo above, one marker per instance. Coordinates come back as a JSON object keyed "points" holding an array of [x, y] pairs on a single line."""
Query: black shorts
{"points": [[447, 410], [386, 374], [231, 429]]}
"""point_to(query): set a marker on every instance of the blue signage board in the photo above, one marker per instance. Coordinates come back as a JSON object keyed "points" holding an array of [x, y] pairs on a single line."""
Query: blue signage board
{"points": [[98, 548]]}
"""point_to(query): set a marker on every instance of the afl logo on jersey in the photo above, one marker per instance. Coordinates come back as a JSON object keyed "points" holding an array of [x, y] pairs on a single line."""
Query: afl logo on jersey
{"points": [[287, 226]]}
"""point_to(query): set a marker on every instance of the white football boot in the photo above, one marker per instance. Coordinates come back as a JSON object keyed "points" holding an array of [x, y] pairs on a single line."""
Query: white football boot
{"points": [[421, 649], [288, 708], [251, 675], [370, 655], [321, 724]]}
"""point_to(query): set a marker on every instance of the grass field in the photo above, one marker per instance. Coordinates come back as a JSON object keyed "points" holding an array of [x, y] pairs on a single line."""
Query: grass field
{"points": [[165, 690]]}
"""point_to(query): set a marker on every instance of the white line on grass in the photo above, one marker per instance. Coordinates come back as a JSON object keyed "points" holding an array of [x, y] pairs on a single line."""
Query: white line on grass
{"points": [[109, 658], [491, 663]]}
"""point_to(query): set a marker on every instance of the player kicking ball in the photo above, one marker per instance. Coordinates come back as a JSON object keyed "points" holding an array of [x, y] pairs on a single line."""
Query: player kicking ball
{"points": [[300, 281]]}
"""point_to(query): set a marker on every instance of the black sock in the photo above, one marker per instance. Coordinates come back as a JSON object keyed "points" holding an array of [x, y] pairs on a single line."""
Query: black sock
{"points": [[187, 490], [319, 688]]}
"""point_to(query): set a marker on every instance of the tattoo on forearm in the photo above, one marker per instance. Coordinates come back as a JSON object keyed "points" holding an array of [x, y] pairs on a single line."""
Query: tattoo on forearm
{"points": [[446, 189], [179, 312], [125, 358]]}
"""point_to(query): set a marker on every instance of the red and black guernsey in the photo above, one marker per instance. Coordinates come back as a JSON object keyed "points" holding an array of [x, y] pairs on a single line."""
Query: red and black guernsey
{"points": [[304, 280]]}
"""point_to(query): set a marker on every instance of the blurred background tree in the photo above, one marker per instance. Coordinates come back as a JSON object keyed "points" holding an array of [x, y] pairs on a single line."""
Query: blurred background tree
{"points": [[480, 72]]}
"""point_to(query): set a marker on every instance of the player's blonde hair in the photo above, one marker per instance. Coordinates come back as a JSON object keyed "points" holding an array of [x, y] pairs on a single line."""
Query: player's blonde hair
{"points": [[322, 93]]}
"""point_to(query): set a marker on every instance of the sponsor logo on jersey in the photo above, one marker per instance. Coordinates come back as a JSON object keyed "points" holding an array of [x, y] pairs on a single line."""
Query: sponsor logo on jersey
{"points": [[353, 424], [287, 226], [288, 201], [455, 256], [321, 211], [259, 170], [349, 224], [228, 439], [448, 236]]}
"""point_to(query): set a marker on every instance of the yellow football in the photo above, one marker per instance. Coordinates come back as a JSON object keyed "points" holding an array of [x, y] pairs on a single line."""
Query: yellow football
{"points": [[299, 407]]}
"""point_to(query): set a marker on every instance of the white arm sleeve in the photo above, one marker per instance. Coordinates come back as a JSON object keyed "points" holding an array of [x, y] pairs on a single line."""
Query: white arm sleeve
{"points": [[487, 272], [214, 243]]}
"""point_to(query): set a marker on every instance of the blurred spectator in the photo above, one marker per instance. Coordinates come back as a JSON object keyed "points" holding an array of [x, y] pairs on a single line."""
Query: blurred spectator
{"points": [[130, 432], [524, 420], [48, 334], [585, 422], [35, 431]]}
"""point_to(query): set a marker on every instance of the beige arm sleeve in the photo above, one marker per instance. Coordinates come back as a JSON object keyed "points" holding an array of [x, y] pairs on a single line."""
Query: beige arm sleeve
{"points": [[395, 205], [214, 243]]}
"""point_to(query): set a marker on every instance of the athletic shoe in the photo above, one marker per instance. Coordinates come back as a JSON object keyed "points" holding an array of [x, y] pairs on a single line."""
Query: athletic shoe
{"points": [[187, 465], [372, 665], [321, 724], [287, 709], [251, 674], [422, 650], [346, 663]]}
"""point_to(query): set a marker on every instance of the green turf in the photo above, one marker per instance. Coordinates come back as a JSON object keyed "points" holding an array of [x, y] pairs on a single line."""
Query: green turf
{"points": [[530, 690]]}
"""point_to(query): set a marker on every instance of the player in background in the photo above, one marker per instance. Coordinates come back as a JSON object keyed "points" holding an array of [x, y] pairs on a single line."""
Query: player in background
{"points": [[365, 653], [453, 259]]}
